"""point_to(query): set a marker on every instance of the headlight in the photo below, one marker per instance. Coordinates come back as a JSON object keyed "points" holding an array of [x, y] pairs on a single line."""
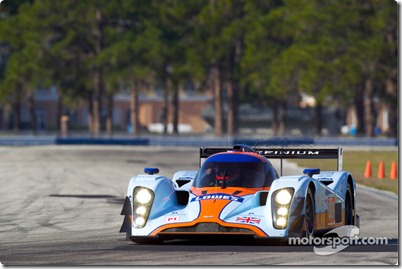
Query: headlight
{"points": [[281, 207], [141, 210], [282, 211], [283, 197], [281, 222], [142, 206], [140, 221], [143, 196]]}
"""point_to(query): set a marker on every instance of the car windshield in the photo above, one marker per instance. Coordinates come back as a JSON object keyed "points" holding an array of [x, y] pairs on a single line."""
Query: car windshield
{"points": [[231, 174]]}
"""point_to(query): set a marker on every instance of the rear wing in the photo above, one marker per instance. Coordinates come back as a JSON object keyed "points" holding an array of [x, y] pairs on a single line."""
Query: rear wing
{"points": [[281, 153]]}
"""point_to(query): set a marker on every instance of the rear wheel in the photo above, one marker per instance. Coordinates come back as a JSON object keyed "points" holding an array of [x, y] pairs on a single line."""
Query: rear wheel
{"points": [[309, 214], [349, 218]]}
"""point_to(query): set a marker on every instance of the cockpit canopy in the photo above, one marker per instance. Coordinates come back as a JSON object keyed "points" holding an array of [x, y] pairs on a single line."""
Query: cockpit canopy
{"points": [[235, 170]]}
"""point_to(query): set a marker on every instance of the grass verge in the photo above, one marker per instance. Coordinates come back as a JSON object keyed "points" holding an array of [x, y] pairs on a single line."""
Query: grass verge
{"points": [[354, 161]]}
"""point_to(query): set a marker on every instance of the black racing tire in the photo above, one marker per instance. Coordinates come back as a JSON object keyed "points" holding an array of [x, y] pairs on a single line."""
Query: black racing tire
{"points": [[309, 214], [349, 216]]}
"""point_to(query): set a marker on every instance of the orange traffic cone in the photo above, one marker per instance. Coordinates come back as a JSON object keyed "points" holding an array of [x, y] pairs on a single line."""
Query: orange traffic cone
{"points": [[394, 173], [381, 171], [367, 172]]}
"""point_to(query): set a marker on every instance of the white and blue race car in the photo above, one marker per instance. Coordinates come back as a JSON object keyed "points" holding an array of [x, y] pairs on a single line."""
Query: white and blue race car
{"points": [[238, 192]]}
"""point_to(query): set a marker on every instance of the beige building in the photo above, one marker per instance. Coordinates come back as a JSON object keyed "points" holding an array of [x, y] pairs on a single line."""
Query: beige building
{"points": [[150, 112]]}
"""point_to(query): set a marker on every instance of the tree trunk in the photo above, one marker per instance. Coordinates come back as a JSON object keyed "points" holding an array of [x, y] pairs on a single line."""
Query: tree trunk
{"points": [[165, 109], [97, 103], [16, 115], [275, 118], [218, 109], [97, 77], [393, 122], [232, 105], [318, 119], [359, 106], [391, 91], [232, 93], [282, 118], [32, 112], [176, 109], [90, 114], [233, 90], [368, 108], [59, 111], [109, 116], [134, 109]]}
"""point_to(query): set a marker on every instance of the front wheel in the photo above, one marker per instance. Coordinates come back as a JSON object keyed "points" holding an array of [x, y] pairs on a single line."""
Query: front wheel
{"points": [[349, 216], [145, 240], [309, 214]]}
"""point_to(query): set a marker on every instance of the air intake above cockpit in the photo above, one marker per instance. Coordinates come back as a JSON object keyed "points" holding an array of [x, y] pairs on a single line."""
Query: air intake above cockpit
{"points": [[242, 148]]}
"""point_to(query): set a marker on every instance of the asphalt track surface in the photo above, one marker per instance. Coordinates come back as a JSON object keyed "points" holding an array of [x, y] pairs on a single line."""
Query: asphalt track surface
{"points": [[60, 205]]}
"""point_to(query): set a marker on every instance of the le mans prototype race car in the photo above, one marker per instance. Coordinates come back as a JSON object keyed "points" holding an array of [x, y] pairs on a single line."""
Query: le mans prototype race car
{"points": [[238, 192]]}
